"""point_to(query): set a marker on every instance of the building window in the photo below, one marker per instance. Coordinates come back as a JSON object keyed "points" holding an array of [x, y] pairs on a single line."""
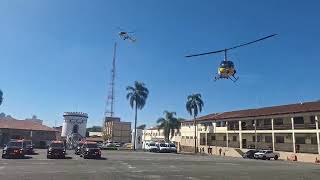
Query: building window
{"points": [[191, 137], [259, 138], [218, 124], [314, 140], [224, 138], [213, 138], [267, 121], [253, 138], [298, 120], [187, 137], [312, 119], [183, 137], [279, 139], [300, 140], [75, 128], [268, 139], [278, 121], [234, 138]]}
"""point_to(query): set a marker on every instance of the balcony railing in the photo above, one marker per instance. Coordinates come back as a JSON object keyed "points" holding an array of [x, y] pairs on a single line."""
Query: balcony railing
{"points": [[261, 127], [305, 126]]}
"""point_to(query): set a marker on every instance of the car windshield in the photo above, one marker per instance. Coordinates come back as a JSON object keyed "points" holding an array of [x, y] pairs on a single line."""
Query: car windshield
{"points": [[163, 145], [92, 146], [27, 143], [57, 145], [152, 144], [172, 145], [14, 143]]}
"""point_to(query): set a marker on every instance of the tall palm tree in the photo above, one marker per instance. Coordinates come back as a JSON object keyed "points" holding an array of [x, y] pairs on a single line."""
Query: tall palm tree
{"points": [[194, 106], [1, 97], [137, 96], [168, 123]]}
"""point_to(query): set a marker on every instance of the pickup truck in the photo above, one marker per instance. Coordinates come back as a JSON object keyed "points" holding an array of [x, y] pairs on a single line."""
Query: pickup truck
{"points": [[266, 154]]}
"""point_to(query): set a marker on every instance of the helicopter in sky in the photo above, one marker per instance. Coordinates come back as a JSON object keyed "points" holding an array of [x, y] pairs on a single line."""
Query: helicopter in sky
{"points": [[127, 36], [227, 69]]}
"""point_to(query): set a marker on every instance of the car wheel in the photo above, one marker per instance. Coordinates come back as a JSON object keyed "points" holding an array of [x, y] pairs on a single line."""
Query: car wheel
{"points": [[3, 156], [48, 157], [276, 157], [85, 157], [264, 157]]}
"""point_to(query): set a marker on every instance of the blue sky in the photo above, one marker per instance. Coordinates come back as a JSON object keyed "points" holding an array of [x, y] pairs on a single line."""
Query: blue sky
{"points": [[55, 56]]}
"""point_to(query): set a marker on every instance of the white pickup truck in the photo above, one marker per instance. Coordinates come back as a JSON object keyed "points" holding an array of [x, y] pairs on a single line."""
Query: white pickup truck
{"points": [[266, 154]]}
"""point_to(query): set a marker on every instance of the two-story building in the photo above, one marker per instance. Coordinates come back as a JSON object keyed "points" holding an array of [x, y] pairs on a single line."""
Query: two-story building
{"points": [[288, 128]]}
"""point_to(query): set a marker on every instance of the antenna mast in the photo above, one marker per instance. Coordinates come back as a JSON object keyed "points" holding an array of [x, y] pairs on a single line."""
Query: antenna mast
{"points": [[111, 95]]}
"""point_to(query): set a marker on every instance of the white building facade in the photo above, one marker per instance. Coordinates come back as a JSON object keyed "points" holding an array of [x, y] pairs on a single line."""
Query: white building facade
{"points": [[74, 123]]}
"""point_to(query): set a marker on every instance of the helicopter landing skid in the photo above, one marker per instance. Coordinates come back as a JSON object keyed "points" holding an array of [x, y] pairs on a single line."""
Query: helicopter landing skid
{"points": [[232, 78]]}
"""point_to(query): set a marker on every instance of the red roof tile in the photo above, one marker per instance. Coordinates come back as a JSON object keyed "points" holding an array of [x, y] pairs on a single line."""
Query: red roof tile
{"points": [[23, 125], [266, 111]]}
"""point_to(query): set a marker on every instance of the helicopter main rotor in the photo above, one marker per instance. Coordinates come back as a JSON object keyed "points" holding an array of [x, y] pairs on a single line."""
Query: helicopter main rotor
{"points": [[234, 47]]}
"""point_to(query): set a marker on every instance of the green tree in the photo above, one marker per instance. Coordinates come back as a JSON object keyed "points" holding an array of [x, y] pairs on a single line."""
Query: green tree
{"points": [[142, 126], [168, 124], [1, 97], [194, 106], [137, 96], [95, 129]]}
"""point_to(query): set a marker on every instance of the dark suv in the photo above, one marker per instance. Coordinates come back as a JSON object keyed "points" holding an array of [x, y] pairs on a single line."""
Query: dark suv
{"points": [[77, 151], [250, 154], [90, 150], [56, 150], [14, 149], [28, 147]]}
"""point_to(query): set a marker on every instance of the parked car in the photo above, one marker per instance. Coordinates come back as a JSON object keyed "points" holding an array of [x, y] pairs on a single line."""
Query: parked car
{"points": [[14, 149], [250, 154], [266, 154], [152, 147], [77, 150], [171, 147], [162, 147], [28, 147], [56, 150], [90, 150]]}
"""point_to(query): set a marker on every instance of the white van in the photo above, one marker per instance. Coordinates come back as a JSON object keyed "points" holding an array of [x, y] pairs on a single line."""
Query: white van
{"points": [[172, 147], [152, 147]]}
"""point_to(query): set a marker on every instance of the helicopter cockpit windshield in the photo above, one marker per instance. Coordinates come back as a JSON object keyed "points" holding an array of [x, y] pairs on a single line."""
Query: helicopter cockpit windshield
{"points": [[226, 64]]}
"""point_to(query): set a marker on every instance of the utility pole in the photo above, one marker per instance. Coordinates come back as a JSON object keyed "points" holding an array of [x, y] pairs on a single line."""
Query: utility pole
{"points": [[255, 133]]}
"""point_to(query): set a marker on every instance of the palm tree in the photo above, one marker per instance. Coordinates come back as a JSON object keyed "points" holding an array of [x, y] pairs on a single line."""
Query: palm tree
{"points": [[137, 96], [169, 123], [194, 106], [1, 98]]}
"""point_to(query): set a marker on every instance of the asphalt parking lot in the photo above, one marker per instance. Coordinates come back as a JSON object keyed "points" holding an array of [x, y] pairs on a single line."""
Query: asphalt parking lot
{"points": [[144, 165]]}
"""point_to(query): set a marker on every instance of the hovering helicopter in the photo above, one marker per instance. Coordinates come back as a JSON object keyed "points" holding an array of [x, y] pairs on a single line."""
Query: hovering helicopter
{"points": [[127, 36], [227, 69]]}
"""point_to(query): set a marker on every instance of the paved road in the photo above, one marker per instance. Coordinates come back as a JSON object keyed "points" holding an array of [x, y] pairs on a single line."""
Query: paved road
{"points": [[140, 165]]}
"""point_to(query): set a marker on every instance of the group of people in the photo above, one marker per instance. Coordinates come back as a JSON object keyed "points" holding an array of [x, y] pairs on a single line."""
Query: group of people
{"points": [[210, 151]]}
